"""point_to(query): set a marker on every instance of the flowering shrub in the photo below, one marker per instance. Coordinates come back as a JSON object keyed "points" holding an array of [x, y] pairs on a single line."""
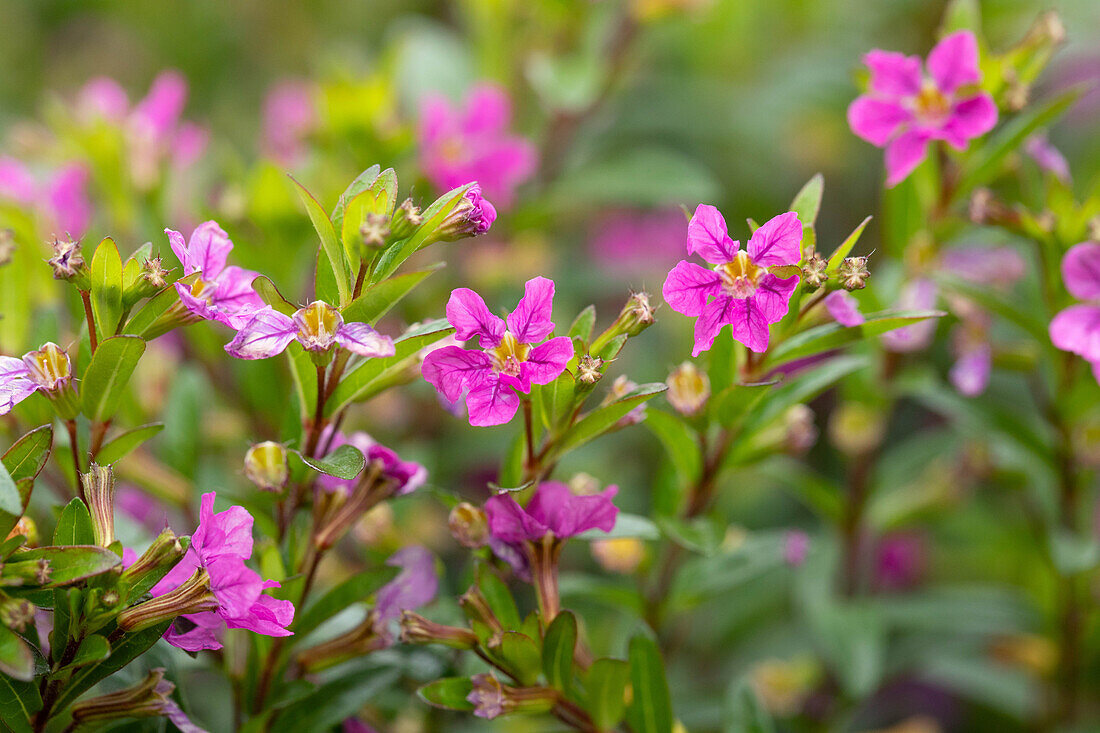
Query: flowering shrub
{"points": [[304, 470]]}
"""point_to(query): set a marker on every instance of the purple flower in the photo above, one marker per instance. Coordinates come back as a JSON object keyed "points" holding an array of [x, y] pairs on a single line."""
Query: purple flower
{"points": [[508, 362], [1000, 266], [62, 200], [16, 182], [553, 509], [796, 545], [916, 295], [289, 117], [221, 293], [900, 561], [47, 370], [473, 144], [155, 117], [318, 327], [970, 372], [906, 109], [220, 545], [1047, 157], [102, 98], [741, 290], [844, 308], [408, 476], [1077, 328], [415, 586]]}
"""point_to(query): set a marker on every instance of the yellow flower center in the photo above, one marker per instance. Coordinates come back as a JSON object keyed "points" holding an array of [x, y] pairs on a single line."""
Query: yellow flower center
{"points": [[317, 325], [932, 105], [48, 367], [740, 275], [204, 290], [509, 355]]}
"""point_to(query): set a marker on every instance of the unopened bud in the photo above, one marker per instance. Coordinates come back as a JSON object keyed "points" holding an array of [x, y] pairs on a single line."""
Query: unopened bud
{"points": [[491, 699], [192, 596], [68, 262], [153, 564], [619, 555], [369, 636], [469, 525], [99, 492], [477, 609], [688, 389], [374, 231], [856, 428], [636, 316], [415, 629], [16, 613], [814, 273], [265, 465], [471, 216], [26, 572], [406, 218], [27, 527], [7, 246], [147, 699], [801, 432], [853, 273], [1050, 23]]}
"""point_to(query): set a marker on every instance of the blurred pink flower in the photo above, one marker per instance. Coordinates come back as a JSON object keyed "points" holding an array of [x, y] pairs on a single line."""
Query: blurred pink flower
{"points": [[796, 545], [1077, 328], [62, 199], [553, 509], [1001, 266], [918, 294], [638, 242], [844, 308], [473, 143], [289, 117], [900, 561], [906, 109], [222, 293], [1047, 157]]}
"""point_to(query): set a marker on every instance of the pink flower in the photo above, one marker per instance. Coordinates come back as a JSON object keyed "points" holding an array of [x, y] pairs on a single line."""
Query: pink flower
{"points": [[46, 370], [1047, 157], [1000, 266], [289, 117], [62, 200], [796, 545], [155, 117], [415, 586], [221, 293], [102, 98], [638, 242], [1077, 328], [318, 327], [741, 290], [220, 545], [844, 308], [916, 295], [407, 475], [900, 561], [16, 182], [970, 372], [507, 363], [473, 144], [906, 109], [553, 509]]}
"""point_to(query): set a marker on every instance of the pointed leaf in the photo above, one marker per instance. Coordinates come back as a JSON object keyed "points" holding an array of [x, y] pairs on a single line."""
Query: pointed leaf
{"points": [[108, 374], [106, 287], [558, 648], [121, 445], [329, 242]]}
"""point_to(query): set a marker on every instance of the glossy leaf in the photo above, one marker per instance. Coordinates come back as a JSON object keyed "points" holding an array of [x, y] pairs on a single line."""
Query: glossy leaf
{"points": [[108, 374], [70, 565], [346, 462], [448, 693], [122, 445], [123, 651], [270, 294], [846, 247], [606, 692], [29, 454], [807, 202], [106, 287], [433, 217], [74, 526], [361, 183], [16, 659], [604, 418], [558, 647], [329, 242]]}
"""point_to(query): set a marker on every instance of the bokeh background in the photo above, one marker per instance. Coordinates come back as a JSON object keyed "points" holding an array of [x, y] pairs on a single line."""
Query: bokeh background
{"points": [[637, 108]]}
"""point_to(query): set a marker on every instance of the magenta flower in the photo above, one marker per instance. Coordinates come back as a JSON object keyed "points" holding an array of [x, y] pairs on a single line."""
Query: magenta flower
{"points": [[741, 290], [406, 475], [1047, 157], [844, 308], [906, 109], [46, 370], [1077, 328], [553, 509], [637, 242], [220, 545], [221, 293], [916, 295], [508, 363], [415, 586], [62, 199], [796, 545], [102, 98], [289, 117], [155, 117], [473, 144], [998, 266], [901, 560], [318, 327], [970, 372]]}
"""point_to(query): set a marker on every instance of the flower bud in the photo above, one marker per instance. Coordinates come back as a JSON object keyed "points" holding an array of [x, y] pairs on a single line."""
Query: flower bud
{"points": [[415, 629], [26, 527], [153, 564], [688, 389], [7, 246], [374, 232], [193, 596], [68, 263], [636, 316], [406, 218], [856, 428], [26, 572], [491, 699], [49, 368], [469, 525], [853, 273], [149, 698], [16, 613], [471, 216], [99, 493], [477, 609], [265, 465], [814, 273], [369, 636], [801, 432], [619, 555]]}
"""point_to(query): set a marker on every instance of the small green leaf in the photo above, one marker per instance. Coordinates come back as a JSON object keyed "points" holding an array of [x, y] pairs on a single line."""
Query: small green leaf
{"points": [[361, 183], [16, 658], [379, 198], [123, 651], [807, 202], [108, 374], [433, 217], [379, 298], [74, 526], [29, 454], [106, 287], [92, 649], [522, 656], [10, 501], [583, 324], [345, 463], [121, 445], [680, 442], [19, 701], [271, 295], [8, 520], [627, 526], [700, 534], [606, 692], [650, 709], [558, 648], [330, 244], [498, 597], [845, 247], [604, 418], [337, 699], [70, 565], [448, 693]]}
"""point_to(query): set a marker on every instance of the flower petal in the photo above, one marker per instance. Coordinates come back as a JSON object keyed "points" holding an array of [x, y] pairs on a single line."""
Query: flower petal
{"points": [[234, 302], [567, 514], [467, 312], [268, 333], [509, 523], [688, 286], [894, 74], [208, 249], [954, 62], [843, 308], [970, 374], [491, 402], [268, 616], [1077, 329], [235, 585], [777, 242], [718, 313], [531, 321], [451, 369], [905, 154], [750, 326], [773, 295], [361, 339], [15, 383], [223, 533], [547, 361], [487, 110], [196, 631], [1081, 270], [157, 114], [970, 118], [877, 120], [415, 586], [179, 248], [708, 237]]}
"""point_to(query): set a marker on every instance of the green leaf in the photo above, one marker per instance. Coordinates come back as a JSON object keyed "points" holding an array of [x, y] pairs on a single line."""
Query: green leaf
{"points": [[1073, 553], [604, 418], [123, 651], [498, 597], [379, 198], [270, 294], [962, 15], [627, 526], [744, 713], [807, 203], [361, 183], [680, 442], [121, 445], [355, 589], [106, 287], [146, 322], [583, 324], [558, 648], [10, 500], [700, 534], [18, 702], [336, 700], [92, 649], [448, 693], [379, 298], [845, 247], [829, 336], [433, 216], [329, 242], [521, 654], [74, 526], [7, 520], [70, 565], [16, 658], [650, 710], [346, 462], [605, 692], [107, 375], [29, 454]]}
